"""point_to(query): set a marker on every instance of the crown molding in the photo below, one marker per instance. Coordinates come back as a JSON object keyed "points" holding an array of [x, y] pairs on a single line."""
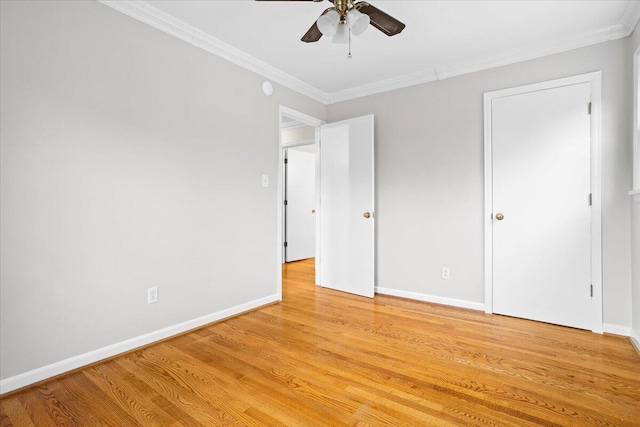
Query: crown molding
{"points": [[630, 17], [162, 21], [501, 59], [384, 86], [537, 51]]}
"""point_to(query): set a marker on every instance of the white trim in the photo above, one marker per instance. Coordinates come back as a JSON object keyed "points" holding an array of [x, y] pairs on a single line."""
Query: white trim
{"points": [[596, 208], [431, 298], [292, 125], [299, 143], [635, 339], [162, 21], [488, 208], [630, 17], [318, 259], [610, 328], [308, 121], [479, 64], [22, 380], [595, 79], [635, 167], [383, 86], [165, 22]]}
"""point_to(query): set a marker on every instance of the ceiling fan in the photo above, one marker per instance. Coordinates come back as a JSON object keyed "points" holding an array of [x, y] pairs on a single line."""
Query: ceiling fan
{"points": [[346, 18]]}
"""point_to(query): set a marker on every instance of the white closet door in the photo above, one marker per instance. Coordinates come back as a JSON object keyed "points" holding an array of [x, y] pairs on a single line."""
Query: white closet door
{"points": [[541, 209]]}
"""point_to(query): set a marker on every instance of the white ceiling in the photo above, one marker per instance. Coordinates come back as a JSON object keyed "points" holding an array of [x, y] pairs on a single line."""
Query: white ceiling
{"points": [[442, 38]]}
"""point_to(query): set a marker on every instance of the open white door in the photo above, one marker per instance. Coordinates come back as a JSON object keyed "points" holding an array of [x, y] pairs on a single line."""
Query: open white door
{"points": [[300, 205], [346, 206]]}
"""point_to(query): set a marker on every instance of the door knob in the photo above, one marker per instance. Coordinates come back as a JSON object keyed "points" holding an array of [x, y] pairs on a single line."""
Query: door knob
{"points": [[499, 217], [313, 211], [367, 215]]}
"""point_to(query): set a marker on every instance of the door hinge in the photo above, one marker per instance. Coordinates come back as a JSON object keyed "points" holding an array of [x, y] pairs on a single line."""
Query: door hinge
{"points": [[285, 244], [591, 291], [286, 160], [590, 199], [286, 203], [589, 108]]}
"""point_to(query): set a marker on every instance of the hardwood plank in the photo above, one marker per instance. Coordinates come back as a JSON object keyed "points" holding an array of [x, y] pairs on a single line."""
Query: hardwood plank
{"points": [[127, 397], [176, 387], [93, 405], [12, 413], [323, 357], [45, 409]]}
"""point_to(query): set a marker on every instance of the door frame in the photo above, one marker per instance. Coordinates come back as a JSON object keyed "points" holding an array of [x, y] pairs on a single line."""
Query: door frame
{"points": [[595, 79], [310, 121]]}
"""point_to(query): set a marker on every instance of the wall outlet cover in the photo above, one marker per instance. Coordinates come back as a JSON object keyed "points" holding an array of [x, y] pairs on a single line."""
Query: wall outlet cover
{"points": [[152, 295]]}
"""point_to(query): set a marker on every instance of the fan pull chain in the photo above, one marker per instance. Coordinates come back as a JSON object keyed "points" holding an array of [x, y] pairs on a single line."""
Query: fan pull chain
{"points": [[349, 56]]}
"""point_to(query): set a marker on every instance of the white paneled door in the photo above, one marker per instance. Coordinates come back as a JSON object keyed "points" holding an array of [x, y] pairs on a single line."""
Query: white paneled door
{"points": [[346, 206], [541, 205], [300, 199]]}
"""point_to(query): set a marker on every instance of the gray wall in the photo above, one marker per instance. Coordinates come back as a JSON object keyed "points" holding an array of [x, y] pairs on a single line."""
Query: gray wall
{"points": [[429, 160], [129, 159], [634, 42], [300, 134]]}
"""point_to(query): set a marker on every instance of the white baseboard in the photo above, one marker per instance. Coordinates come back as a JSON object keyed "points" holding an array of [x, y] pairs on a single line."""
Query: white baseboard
{"points": [[635, 339], [75, 362], [432, 298], [609, 328]]}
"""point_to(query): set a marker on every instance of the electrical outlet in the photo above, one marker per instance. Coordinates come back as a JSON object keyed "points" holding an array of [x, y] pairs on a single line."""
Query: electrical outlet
{"points": [[265, 180], [446, 274], [152, 295]]}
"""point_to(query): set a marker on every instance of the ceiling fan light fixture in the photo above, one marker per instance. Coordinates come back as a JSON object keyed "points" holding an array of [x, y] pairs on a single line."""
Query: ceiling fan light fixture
{"points": [[358, 22], [342, 34], [328, 23]]}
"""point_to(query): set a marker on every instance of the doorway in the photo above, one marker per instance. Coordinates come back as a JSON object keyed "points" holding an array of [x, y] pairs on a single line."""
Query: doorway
{"points": [[345, 223], [307, 136], [542, 202], [299, 206]]}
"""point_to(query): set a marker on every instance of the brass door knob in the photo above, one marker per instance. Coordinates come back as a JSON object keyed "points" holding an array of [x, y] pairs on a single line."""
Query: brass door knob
{"points": [[313, 211], [367, 215], [499, 217]]}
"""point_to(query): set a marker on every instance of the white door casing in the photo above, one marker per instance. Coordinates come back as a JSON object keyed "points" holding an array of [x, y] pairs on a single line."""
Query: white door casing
{"points": [[541, 163], [346, 199], [300, 219]]}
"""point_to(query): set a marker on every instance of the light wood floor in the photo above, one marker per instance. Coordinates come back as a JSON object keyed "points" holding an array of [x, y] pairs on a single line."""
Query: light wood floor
{"points": [[326, 358]]}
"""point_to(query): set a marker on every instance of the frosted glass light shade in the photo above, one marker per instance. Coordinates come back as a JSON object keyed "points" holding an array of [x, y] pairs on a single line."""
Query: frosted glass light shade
{"points": [[342, 34], [328, 23], [358, 22]]}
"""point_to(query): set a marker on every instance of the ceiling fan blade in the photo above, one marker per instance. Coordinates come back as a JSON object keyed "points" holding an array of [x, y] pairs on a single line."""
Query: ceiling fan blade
{"points": [[382, 21], [313, 34]]}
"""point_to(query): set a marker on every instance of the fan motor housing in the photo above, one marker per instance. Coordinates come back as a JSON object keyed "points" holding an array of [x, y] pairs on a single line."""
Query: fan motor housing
{"points": [[343, 6]]}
